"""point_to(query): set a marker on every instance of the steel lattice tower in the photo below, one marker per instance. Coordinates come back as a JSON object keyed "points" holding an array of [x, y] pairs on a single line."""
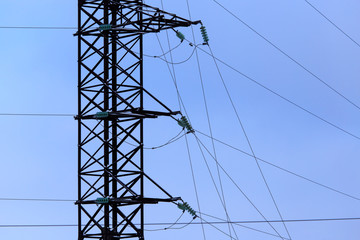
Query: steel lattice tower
{"points": [[111, 114]]}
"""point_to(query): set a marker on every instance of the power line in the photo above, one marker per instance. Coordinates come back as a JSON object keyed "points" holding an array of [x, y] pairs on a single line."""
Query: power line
{"points": [[288, 56], [234, 69], [38, 114], [248, 141], [283, 169], [222, 196], [230, 146], [38, 27], [37, 199], [280, 96], [181, 103], [274, 221], [193, 223], [212, 225], [222, 200], [324, 16], [247, 227], [237, 186], [175, 63], [169, 227]]}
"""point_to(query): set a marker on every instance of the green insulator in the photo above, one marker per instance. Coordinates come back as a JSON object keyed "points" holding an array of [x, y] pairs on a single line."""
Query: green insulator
{"points": [[183, 122], [204, 34], [188, 126], [180, 35], [104, 27], [102, 115], [102, 200], [186, 207], [181, 206]]}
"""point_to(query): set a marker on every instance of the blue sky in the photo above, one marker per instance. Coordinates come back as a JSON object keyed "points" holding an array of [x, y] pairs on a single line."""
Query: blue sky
{"points": [[39, 75]]}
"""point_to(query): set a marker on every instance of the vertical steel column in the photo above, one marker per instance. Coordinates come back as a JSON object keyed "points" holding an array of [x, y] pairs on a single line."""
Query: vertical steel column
{"points": [[106, 124], [79, 123], [140, 17], [114, 11]]}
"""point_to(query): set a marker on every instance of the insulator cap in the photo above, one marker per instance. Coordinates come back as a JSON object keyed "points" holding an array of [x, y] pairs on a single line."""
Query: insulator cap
{"points": [[102, 200], [180, 35], [204, 34], [104, 27], [183, 122], [101, 115], [186, 207]]}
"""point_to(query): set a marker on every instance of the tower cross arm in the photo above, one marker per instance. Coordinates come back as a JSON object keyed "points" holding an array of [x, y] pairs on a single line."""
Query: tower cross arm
{"points": [[153, 20], [156, 19]]}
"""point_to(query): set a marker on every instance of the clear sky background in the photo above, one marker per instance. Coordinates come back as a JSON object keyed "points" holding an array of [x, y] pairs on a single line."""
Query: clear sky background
{"points": [[39, 154]]}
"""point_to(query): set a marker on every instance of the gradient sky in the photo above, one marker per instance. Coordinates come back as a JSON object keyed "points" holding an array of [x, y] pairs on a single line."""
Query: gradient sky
{"points": [[39, 75]]}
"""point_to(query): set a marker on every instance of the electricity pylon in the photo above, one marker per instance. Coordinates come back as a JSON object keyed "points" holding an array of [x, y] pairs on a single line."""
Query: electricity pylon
{"points": [[111, 113]]}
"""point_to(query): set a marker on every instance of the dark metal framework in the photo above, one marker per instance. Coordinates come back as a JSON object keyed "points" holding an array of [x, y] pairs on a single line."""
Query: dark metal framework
{"points": [[111, 114]]}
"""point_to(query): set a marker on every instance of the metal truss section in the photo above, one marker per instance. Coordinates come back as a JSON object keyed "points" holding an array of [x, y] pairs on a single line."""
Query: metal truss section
{"points": [[127, 19], [110, 116]]}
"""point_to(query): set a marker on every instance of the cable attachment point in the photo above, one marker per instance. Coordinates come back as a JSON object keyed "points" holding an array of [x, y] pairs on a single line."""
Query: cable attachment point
{"points": [[105, 27], [102, 200], [183, 122], [186, 207], [100, 115], [180, 35], [204, 35]]}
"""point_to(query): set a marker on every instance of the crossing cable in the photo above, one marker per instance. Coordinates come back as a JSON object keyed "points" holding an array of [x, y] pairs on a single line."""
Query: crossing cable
{"points": [[38, 114], [194, 183], [332, 23], [193, 223], [243, 226], [184, 226], [169, 227], [248, 141], [280, 96], [172, 140], [37, 199], [185, 136], [180, 99], [295, 220], [163, 57], [173, 77], [172, 74], [38, 27], [232, 147], [209, 122], [217, 191], [181, 62], [282, 169], [244, 75], [181, 103], [212, 225], [237, 186], [171, 56], [287, 55], [254, 229], [169, 51]]}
